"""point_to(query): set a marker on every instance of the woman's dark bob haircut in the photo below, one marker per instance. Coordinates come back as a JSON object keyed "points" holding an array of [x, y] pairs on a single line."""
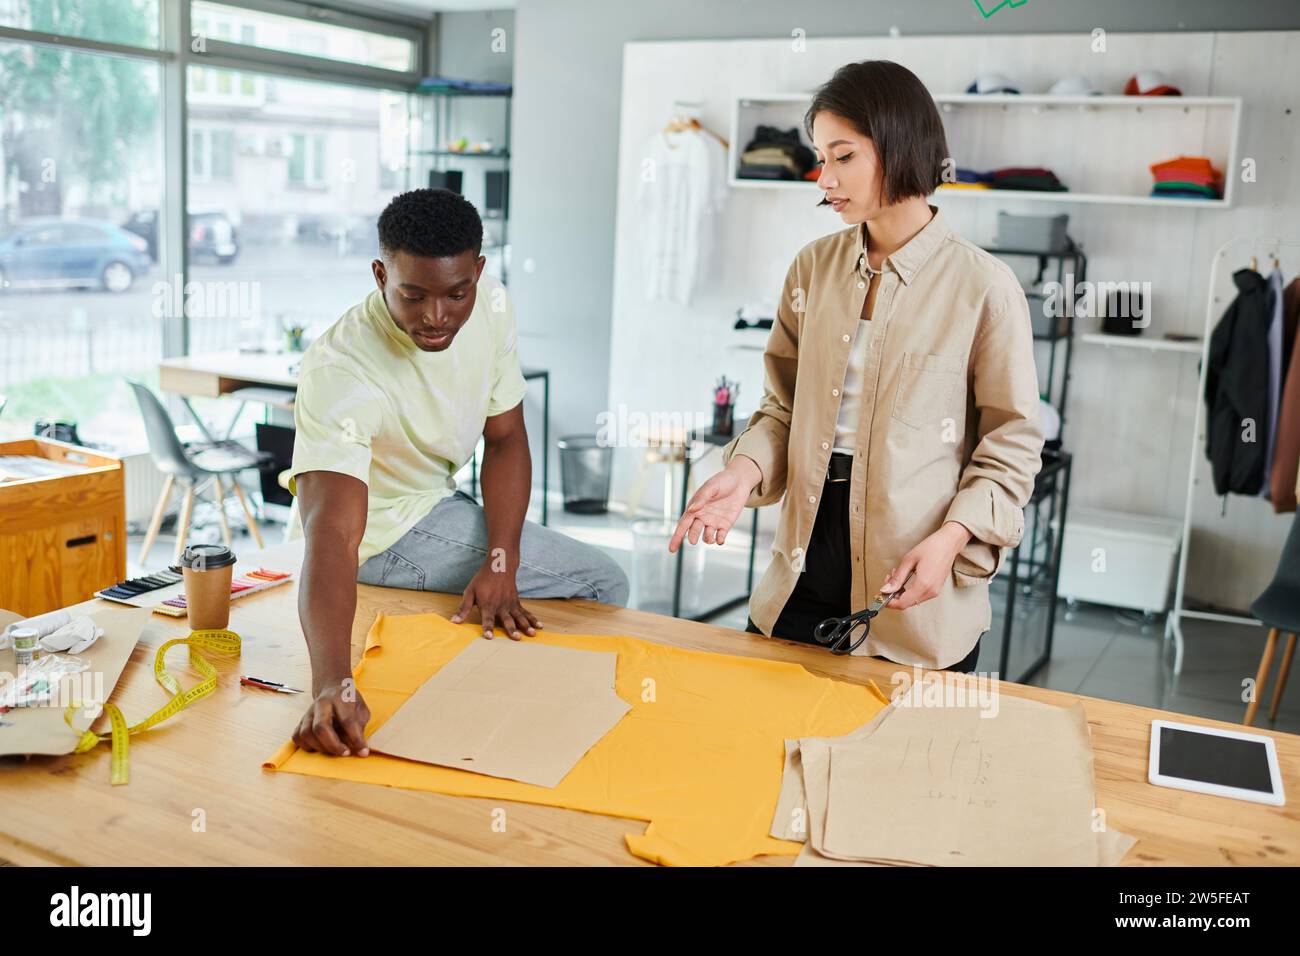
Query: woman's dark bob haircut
{"points": [[887, 104]]}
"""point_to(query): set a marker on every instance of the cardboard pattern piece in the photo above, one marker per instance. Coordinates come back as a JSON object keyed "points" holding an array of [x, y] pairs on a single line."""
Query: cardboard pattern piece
{"points": [[42, 730], [957, 788], [509, 709], [791, 819]]}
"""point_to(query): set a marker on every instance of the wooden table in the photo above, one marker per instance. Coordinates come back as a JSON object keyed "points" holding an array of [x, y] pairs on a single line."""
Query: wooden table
{"points": [[214, 374], [218, 374], [61, 810]]}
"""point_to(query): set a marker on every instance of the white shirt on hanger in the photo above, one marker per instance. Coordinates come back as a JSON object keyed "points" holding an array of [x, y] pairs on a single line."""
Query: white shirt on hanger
{"points": [[683, 185]]}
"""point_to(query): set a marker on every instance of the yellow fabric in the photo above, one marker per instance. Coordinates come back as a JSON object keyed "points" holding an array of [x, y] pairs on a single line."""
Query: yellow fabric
{"points": [[699, 756], [372, 404]]}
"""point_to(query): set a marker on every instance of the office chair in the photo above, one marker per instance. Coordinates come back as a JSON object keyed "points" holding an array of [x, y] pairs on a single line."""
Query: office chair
{"points": [[195, 466], [1278, 608]]}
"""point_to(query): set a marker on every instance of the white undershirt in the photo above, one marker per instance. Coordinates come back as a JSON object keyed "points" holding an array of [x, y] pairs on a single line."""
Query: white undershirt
{"points": [[846, 423]]}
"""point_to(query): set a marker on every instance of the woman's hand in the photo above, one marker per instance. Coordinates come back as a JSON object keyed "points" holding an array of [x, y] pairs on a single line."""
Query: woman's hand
{"points": [[716, 506], [931, 560]]}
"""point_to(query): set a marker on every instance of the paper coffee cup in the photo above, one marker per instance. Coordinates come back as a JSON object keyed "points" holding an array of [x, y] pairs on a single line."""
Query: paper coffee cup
{"points": [[207, 569]]}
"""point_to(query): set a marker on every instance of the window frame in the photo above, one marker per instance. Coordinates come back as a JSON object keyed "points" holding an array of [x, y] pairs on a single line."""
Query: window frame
{"points": [[233, 52]]}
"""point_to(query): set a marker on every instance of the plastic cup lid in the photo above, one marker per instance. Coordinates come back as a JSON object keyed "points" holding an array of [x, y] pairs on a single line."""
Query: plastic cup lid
{"points": [[206, 557]]}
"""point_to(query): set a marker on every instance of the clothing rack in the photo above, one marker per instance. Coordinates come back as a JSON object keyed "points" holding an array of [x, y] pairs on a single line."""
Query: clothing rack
{"points": [[1173, 622]]}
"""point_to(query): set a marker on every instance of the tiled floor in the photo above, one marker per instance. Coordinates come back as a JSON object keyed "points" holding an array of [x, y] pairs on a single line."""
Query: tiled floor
{"points": [[1096, 651]]}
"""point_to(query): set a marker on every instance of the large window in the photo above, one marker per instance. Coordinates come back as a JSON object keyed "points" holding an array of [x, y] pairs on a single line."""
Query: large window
{"points": [[287, 162], [331, 41], [80, 188], [284, 196], [129, 22]]}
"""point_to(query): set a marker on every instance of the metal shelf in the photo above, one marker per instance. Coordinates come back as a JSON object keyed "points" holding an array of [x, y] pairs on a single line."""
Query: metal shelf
{"points": [[1138, 342]]}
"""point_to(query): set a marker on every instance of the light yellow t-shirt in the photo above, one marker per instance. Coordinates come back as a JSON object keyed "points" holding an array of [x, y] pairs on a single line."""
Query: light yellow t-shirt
{"points": [[373, 405]]}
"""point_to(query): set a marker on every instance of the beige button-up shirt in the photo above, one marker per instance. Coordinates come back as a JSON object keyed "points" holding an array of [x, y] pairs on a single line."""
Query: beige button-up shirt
{"points": [[948, 426]]}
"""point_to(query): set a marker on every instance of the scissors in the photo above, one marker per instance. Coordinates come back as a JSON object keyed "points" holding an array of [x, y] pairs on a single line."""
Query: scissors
{"points": [[838, 632]]}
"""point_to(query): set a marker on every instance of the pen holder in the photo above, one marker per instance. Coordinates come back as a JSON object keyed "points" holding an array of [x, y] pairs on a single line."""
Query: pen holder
{"points": [[723, 418]]}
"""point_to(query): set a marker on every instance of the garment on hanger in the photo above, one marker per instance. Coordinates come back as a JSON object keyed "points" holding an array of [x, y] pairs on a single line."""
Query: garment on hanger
{"points": [[1236, 389], [1286, 448], [683, 187], [1275, 370]]}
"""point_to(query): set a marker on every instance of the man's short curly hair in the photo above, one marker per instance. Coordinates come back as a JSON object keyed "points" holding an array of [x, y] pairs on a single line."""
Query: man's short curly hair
{"points": [[430, 222]]}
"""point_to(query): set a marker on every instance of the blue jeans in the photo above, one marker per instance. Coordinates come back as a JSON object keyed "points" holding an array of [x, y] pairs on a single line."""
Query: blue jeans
{"points": [[447, 547]]}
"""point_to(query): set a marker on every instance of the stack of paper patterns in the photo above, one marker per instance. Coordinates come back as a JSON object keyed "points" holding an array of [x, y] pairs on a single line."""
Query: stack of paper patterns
{"points": [[1004, 785]]}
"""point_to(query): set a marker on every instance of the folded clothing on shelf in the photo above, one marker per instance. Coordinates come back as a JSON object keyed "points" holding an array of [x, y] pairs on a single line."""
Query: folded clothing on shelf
{"points": [[776, 154], [968, 179], [1190, 176], [1035, 178], [1185, 189]]}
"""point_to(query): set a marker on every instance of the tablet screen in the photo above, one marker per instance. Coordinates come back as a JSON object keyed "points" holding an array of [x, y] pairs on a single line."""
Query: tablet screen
{"points": [[1209, 758]]}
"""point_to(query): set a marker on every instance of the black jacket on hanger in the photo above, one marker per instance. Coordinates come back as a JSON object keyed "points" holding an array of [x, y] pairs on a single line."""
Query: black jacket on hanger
{"points": [[1236, 389]]}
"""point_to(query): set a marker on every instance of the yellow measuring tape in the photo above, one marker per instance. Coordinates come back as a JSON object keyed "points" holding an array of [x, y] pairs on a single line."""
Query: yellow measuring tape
{"points": [[218, 641]]}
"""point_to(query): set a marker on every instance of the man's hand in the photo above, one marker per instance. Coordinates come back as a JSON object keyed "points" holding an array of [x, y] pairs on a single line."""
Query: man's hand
{"points": [[493, 592], [335, 723], [718, 503], [506, 483], [932, 561]]}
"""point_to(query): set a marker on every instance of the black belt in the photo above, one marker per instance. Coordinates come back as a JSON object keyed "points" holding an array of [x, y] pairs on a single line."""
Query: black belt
{"points": [[840, 467]]}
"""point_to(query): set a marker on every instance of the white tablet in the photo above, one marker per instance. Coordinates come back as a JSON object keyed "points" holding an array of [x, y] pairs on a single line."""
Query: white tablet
{"points": [[1226, 763]]}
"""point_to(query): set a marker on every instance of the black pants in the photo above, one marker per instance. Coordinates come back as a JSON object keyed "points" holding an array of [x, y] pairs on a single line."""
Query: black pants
{"points": [[825, 587]]}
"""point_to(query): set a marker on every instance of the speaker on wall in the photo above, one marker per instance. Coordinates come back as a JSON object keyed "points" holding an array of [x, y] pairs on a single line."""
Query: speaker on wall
{"points": [[446, 179], [497, 189]]}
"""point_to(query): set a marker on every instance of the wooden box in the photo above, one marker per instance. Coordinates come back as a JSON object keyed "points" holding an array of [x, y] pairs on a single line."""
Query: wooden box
{"points": [[62, 537]]}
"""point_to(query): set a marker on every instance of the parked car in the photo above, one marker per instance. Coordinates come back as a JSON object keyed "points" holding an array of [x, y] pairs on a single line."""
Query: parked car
{"points": [[41, 253], [213, 236]]}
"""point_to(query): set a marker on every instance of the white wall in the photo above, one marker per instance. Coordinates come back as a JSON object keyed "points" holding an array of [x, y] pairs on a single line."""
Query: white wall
{"points": [[1130, 413], [568, 64]]}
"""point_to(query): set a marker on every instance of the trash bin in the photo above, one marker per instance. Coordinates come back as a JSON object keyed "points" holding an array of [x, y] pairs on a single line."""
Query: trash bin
{"points": [[585, 467], [654, 570]]}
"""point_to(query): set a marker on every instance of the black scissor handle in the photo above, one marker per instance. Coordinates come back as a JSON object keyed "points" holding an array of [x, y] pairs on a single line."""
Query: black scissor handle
{"points": [[828, 630], [836, 631]]}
